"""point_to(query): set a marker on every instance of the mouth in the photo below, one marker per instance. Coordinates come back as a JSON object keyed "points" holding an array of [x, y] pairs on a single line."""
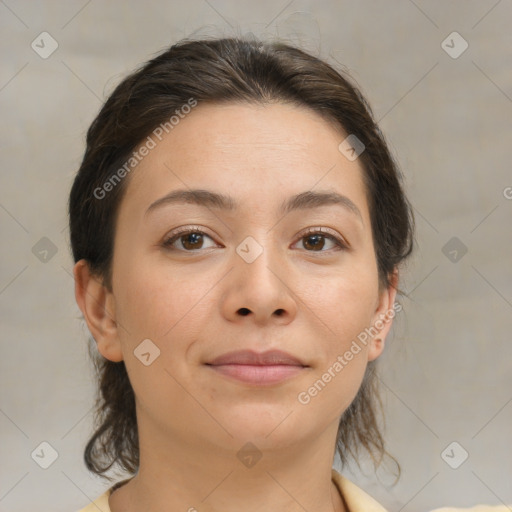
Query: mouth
{"points": [[258, 369]]}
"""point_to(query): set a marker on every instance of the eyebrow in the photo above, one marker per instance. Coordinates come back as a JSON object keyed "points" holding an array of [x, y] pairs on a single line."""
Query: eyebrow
{"points": [[209, 199]]}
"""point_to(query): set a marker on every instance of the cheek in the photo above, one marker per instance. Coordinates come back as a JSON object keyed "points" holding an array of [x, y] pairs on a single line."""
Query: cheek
{"points": [[154, 303], [342, 358], [342, 305]]}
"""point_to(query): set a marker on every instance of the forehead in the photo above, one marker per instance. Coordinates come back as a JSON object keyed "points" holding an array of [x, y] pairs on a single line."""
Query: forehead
{"points": [[249, 149]]}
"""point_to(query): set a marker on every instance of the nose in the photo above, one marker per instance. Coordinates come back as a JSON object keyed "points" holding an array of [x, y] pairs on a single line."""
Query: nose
{"points": [[259, 292]]}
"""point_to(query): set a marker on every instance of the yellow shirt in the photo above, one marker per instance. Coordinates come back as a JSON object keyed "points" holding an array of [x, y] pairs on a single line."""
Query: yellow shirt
{"points": [[355, 498]]}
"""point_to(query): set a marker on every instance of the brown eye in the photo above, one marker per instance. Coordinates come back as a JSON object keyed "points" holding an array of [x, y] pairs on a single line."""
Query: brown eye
{"points": [[314, 242], [188, 241], [192, 241], [319, 240]]}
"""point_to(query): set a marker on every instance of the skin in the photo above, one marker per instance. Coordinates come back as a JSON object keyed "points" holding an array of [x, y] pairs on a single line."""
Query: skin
{"points": [[310, 303]]}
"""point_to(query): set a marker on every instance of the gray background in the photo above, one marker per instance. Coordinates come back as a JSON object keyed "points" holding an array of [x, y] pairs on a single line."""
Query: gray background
{"points": [[446, 374]]}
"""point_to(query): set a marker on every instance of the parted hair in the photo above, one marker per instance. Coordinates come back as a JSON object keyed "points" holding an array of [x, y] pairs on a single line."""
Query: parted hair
{"points": [[219, 71]]}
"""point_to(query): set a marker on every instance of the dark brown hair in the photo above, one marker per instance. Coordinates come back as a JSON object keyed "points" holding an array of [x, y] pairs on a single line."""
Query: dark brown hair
{"points": [[220, 71]]}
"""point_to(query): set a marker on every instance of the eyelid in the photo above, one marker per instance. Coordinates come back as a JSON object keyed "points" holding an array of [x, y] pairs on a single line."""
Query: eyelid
{"points": [[186, 229], [329, 233], [182, 230], [332, 234]]}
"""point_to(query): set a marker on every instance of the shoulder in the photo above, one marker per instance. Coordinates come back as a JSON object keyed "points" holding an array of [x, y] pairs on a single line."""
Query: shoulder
{"points": [[355, 498], [358, 501], [478, 508], [100, 503]]}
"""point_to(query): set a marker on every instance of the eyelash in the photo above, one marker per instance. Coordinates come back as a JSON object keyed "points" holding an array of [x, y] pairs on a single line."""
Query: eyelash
{"points": [[339, 242]]}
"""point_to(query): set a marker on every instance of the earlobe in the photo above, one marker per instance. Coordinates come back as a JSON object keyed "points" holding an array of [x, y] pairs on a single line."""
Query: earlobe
{"points": [[98, 307], [383, 318]]}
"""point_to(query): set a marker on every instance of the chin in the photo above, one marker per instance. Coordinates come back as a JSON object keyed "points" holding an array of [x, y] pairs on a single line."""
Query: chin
{"points": [[266, 424]]}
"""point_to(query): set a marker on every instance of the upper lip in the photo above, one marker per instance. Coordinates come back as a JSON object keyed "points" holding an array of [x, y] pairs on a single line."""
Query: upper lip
{"points": [[249, 357]]}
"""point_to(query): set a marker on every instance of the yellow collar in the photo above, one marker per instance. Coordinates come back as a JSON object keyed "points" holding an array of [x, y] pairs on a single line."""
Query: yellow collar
{"points": [[355, 498]]}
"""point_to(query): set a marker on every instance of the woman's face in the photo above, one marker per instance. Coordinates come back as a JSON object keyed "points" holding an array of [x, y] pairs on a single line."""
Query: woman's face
{"points": [[282, 260]]}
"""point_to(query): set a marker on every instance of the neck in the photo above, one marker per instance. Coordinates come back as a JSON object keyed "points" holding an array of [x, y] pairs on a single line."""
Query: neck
{"points": [[196, 477]]}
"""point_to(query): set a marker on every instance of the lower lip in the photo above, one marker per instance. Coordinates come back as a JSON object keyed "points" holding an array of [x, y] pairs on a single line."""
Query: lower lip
{"points": [[258, 374]]}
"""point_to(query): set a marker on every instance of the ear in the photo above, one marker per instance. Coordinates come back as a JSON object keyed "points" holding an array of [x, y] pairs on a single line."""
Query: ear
{"points": [[383, 317], [97, 304]]}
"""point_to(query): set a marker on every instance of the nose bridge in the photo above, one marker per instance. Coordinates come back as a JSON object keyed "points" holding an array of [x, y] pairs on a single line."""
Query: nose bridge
{"points": [[257, 264], [256, 261], [258, 283]]}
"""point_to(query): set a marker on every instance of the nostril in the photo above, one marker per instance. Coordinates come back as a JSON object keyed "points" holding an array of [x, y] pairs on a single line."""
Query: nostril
{"points": [[279, 312], [244, 311]]}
